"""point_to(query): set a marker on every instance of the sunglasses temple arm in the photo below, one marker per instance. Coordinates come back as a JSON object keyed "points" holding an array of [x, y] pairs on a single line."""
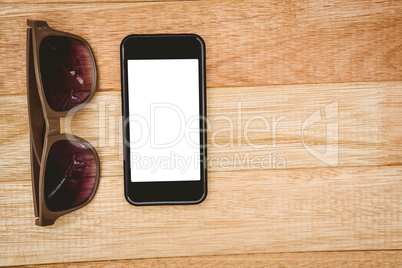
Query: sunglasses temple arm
{"points": [[34, 155]]}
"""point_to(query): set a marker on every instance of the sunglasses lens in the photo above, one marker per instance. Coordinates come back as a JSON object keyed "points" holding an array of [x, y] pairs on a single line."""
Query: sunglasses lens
{"points": [[66, 70], [70, 176]]}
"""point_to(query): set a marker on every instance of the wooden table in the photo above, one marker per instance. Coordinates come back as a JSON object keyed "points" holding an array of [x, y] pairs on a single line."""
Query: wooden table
{"points": [[325, 79]]}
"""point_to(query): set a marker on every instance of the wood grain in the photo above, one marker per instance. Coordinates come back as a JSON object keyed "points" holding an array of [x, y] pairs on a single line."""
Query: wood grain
{"points": [[368, 122], [248, 42], [292, 63], [306, 259], [32, 2], [254, 211]]}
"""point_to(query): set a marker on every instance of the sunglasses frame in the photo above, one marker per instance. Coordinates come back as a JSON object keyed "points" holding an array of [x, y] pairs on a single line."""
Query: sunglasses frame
{"points": [[38, 31]]}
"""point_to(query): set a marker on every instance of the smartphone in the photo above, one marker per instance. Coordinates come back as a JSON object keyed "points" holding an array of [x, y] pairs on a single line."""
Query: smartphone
{"points": [[164, 119]]}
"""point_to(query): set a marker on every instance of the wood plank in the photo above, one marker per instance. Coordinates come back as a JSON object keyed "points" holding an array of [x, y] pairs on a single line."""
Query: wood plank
{"points": [[248, 43], [368, 123], [305, 259], [33, 2], [258, 211]]}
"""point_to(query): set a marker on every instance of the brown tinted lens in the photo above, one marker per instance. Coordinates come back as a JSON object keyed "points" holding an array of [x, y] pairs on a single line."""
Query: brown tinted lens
{"points": [[70, 176], [66, 70]]}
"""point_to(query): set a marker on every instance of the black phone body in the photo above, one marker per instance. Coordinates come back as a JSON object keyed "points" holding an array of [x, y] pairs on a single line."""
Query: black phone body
{"points": [[165, 72]]}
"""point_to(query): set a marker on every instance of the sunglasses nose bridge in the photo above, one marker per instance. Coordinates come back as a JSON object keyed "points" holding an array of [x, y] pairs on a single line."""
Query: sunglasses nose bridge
{"points": [[53, 126]]}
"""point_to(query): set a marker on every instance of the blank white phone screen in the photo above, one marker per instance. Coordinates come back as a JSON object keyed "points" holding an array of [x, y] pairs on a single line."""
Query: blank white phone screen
{"points": [[164, 120]]}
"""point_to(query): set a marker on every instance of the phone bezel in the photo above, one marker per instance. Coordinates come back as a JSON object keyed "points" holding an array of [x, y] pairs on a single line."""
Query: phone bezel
{"points": [[164, 46]]}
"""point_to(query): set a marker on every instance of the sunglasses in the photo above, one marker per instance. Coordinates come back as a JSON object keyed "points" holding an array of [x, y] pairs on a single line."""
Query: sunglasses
{"points": [[61, 80]]}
